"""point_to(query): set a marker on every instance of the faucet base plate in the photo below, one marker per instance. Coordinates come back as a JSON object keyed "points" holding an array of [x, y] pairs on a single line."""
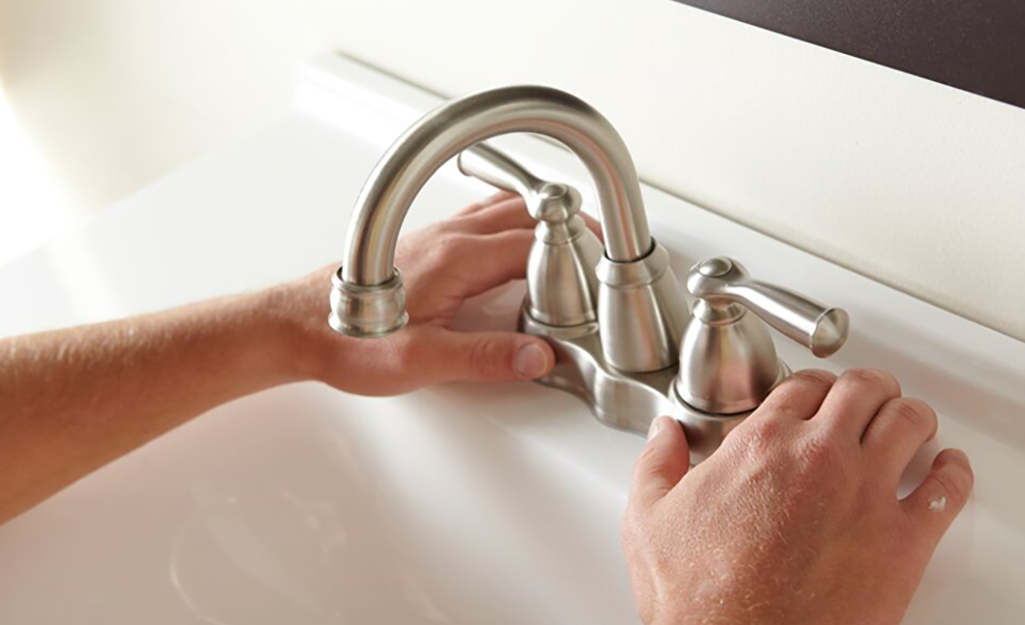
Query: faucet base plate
{"points": [[624, 400]]}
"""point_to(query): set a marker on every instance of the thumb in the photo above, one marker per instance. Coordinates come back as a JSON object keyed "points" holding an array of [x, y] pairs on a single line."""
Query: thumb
{"points": [[491, 356], [663, 463]]}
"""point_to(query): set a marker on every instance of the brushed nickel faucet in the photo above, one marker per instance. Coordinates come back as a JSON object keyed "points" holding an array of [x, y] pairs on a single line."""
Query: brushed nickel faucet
{"points": [[625, 340]]}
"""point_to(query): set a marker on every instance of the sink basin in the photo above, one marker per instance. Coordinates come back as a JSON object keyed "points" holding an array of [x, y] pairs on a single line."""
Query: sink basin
{"points": [[457, 504], [302, 505]]}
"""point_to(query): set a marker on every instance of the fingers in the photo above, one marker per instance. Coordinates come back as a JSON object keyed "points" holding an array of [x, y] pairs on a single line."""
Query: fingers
{"points": [[935, 504], [897, 432], [486, 202], [593, 225], [663, 463], [508, 214], [800, 396], [855, 398], [505, 211], [484, 356], [495, 259]]}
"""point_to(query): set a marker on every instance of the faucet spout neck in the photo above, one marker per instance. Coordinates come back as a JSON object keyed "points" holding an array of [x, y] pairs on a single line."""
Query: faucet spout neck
{"points": [[456, 125]]}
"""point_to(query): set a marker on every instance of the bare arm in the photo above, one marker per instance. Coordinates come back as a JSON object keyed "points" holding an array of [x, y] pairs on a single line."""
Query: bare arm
{"points": [[73, 400]]}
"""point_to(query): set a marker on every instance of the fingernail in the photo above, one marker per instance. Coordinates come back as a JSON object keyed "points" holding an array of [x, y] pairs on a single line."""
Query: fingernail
{"points": [[530, 362], [953, 451], [657, 426]]}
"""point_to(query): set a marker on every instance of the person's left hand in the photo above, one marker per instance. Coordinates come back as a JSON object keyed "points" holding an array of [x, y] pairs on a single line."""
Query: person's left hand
{"points": [[795, 518], [483, 246]]}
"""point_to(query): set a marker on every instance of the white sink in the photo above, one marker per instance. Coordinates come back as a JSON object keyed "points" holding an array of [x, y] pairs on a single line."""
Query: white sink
{"points": [[459, 504], [301, 505]]}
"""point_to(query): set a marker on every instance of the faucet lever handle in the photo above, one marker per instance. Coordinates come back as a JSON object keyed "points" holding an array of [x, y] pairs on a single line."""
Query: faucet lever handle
{"points": [[498, 170], [562, 285], [551, 202], [721, 281]]}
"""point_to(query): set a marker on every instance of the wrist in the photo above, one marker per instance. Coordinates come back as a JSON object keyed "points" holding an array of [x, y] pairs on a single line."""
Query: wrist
{"points": [[295, 343]]}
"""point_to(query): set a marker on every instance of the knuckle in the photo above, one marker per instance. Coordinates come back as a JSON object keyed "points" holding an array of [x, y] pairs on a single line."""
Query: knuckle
{"points": [[486, 355], [480, 205], [783, 400], [767, 429], [871, 377], [757, 435], [649, 454], [518, 206], [499, 196], [817, 451], [916, 415], [792, 396], [452, 248], [817, 377], [954, 486]]}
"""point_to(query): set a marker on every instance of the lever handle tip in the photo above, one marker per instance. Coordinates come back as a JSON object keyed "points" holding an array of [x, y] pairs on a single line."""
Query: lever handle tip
{"points": [[722, 281], [830, 334]]}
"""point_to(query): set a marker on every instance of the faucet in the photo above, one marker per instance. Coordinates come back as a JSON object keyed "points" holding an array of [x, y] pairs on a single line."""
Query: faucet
{"points": [[625, 339], [639, 301]]}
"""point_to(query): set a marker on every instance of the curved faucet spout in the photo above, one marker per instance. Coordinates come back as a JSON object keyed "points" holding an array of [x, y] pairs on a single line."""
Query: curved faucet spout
{"points": [[641, 312], [457, 125]]}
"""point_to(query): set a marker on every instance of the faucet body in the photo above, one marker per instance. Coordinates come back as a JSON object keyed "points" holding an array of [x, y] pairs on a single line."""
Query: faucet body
{"points": [[562, 284], [456, 125], [639, 299], [625, 340]]}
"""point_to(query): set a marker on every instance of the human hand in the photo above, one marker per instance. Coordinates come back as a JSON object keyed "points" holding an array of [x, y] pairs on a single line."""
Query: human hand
{"points": [[483, 246], [795, 519]]}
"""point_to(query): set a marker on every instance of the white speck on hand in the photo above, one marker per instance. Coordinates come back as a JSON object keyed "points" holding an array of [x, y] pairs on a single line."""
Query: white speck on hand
{"points": [[938, 505]]}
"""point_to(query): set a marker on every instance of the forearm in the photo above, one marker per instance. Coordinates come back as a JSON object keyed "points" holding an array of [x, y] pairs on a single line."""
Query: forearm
{"points": [[73, 400]]}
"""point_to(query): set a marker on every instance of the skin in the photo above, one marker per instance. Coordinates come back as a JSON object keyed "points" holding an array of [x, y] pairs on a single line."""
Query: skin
{"points": [[76, 399], [794, 520]]}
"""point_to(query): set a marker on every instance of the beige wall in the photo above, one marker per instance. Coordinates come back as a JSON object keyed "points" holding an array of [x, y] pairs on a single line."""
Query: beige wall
{"points": [[914, 183]]}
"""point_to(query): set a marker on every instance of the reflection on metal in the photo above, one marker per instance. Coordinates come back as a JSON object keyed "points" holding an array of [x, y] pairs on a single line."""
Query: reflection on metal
{"points": [[640, 306], [628, 401], [625, 340]]}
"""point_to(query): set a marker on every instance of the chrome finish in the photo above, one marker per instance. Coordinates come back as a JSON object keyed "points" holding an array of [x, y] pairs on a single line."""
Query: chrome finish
{"points": [[728, 362], [651, 342], [562, 286]]}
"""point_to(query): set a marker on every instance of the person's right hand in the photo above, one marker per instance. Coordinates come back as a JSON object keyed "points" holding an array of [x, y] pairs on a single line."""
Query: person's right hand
{"points": [[795, 519], [481, 247]]}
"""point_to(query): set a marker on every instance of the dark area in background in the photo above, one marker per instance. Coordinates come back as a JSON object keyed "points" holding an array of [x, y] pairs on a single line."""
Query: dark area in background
{"points": [[975, 45]]}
